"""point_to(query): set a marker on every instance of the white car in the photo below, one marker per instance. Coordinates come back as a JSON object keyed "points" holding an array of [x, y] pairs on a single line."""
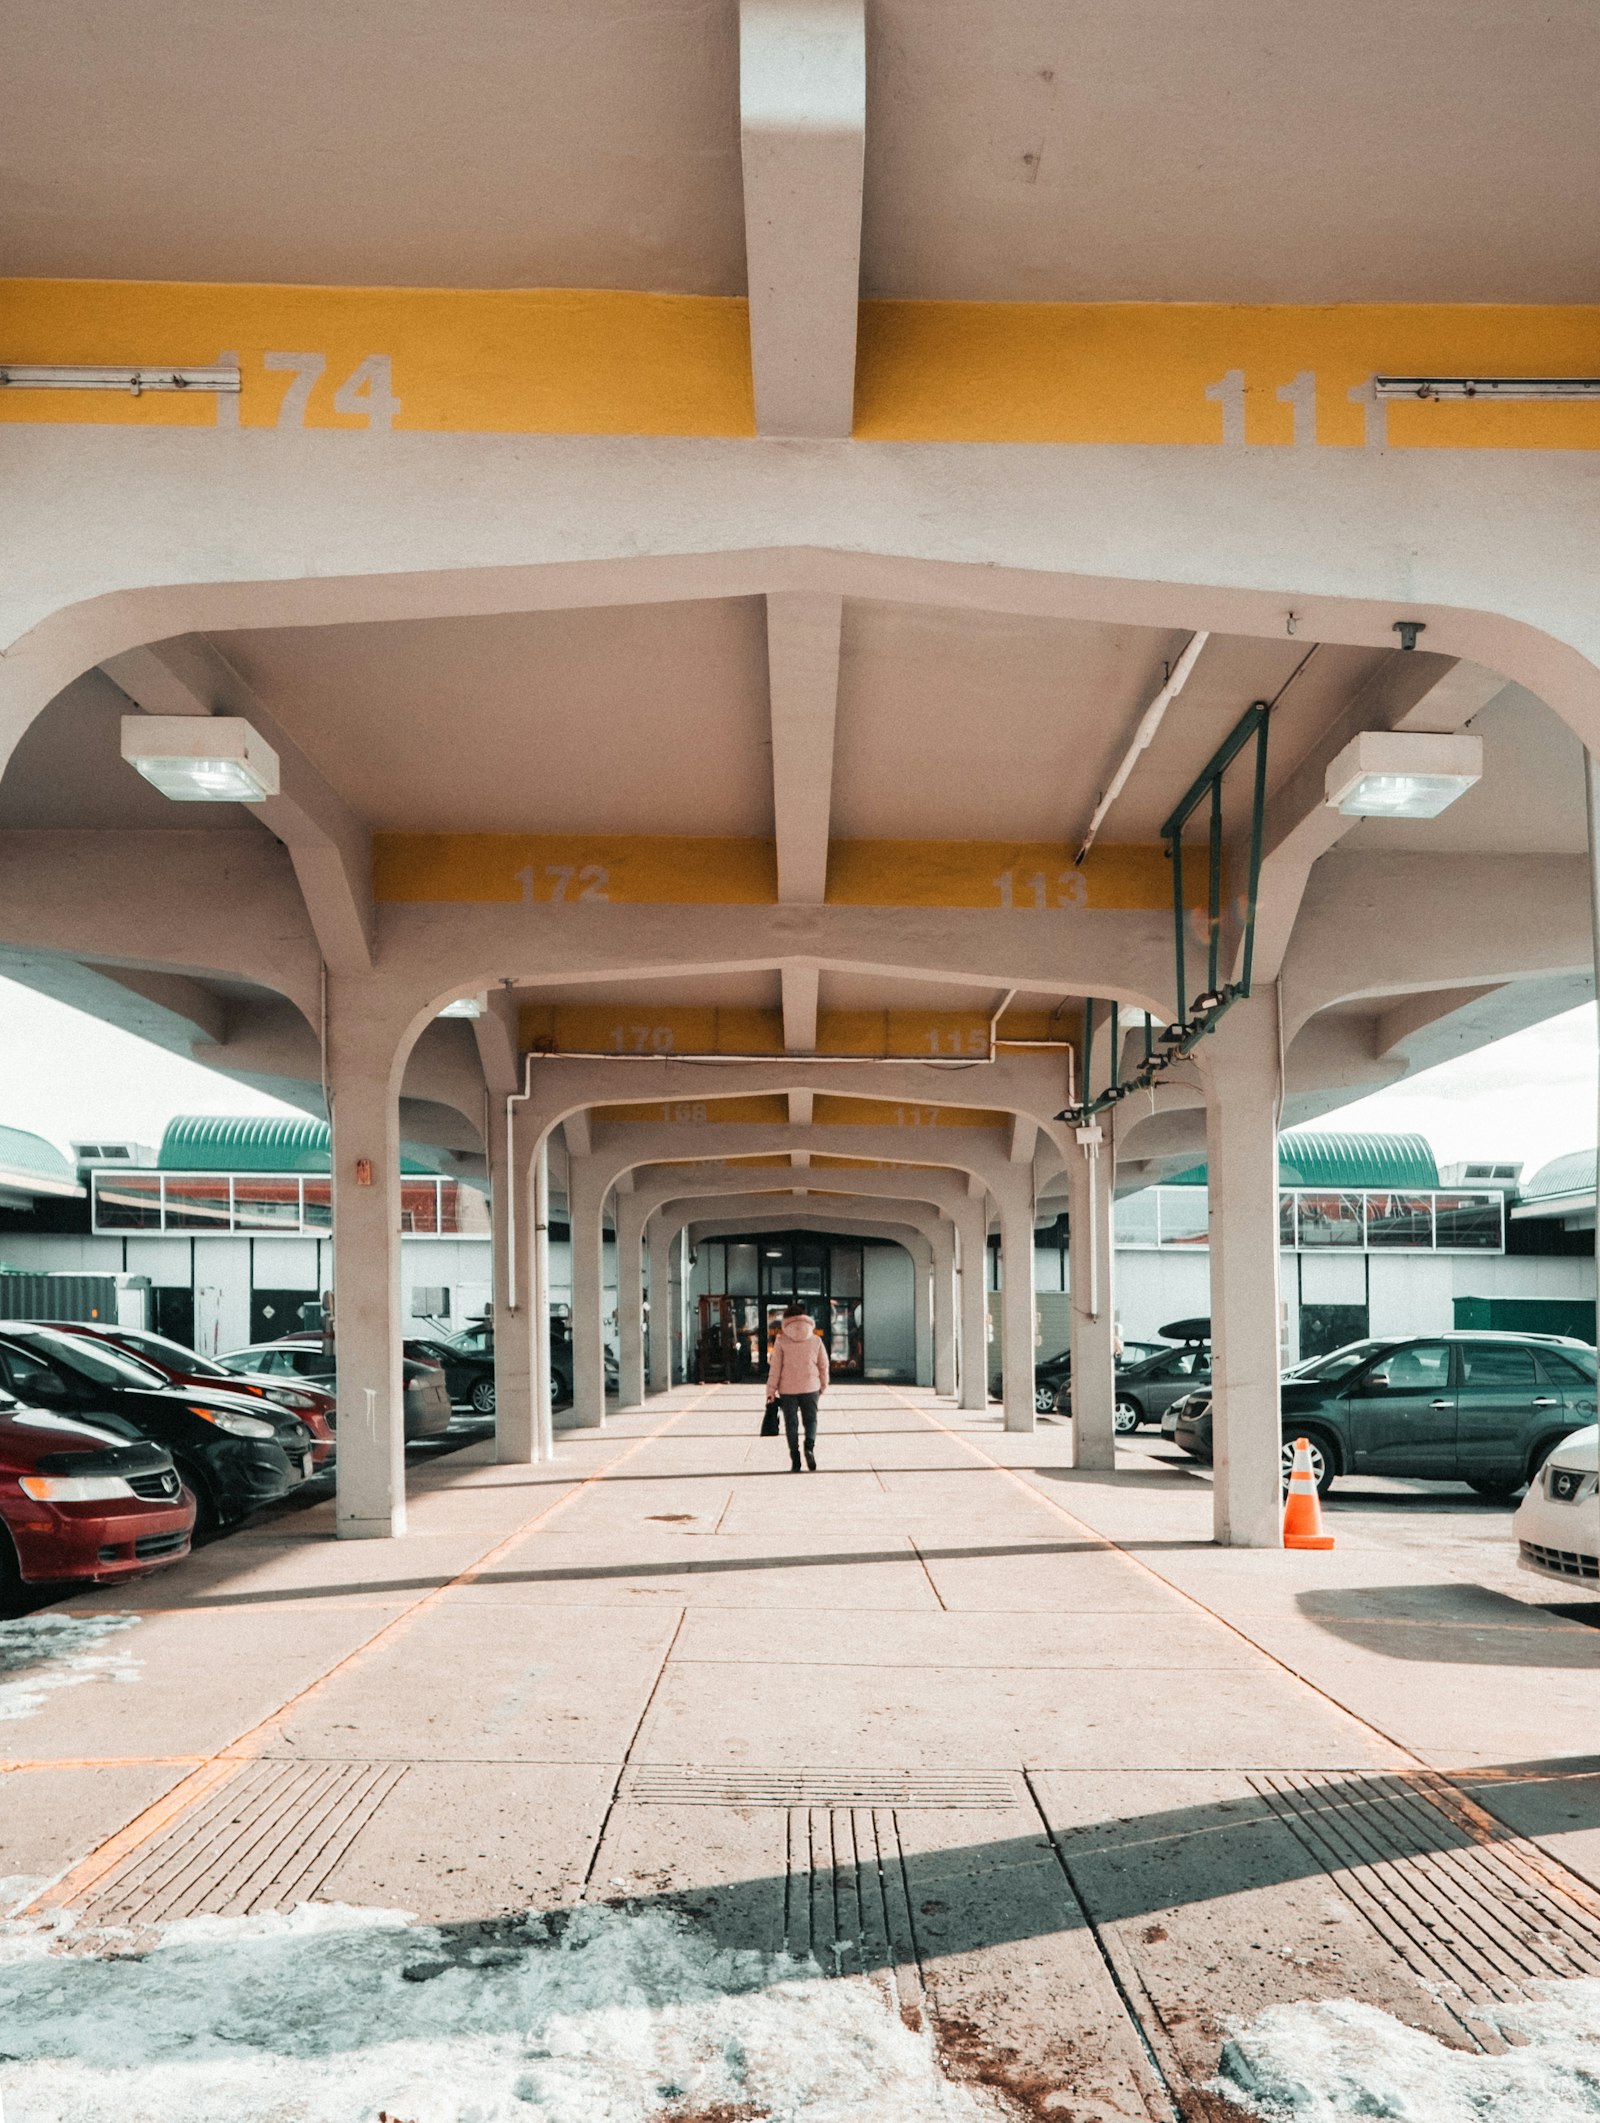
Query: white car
{"points": [[1557, 1524]]}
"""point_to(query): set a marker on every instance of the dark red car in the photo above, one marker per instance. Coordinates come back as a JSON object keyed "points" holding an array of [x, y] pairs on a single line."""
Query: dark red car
{"points": [[84, 1500], [316, 1407]]}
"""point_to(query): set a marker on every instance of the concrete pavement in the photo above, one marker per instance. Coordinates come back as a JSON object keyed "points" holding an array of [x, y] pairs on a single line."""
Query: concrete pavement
{"points": [[1013, 1743]]}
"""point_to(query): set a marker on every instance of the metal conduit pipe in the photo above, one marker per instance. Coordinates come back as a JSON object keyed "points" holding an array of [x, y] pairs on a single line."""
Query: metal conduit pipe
{"points": [[1143, 736]]}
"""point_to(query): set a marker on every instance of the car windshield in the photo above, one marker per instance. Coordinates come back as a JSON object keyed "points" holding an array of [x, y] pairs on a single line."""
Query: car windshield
{"points": [[100, 1365], [158, 1349], [161, 1351], [1339, 1363]]}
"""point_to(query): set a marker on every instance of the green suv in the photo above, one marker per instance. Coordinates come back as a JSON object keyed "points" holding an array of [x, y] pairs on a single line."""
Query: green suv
{"points": [[1478, 1408]]}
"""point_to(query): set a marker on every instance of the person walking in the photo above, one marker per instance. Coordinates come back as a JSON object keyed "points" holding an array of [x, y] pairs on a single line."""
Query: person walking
{"points": [[797, 1377]]}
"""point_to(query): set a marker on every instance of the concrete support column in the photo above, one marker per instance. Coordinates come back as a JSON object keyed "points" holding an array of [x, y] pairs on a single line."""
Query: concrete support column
{"points": [[972, 1227], [630, 1301], [922, 1306], [664, 1330], [1090, 1174], [685, 1325], [586, 1200], [364, 1066], [944, 1308], [543, 1396], [516, 1433], [1017, 1302], [1241, 1067]]}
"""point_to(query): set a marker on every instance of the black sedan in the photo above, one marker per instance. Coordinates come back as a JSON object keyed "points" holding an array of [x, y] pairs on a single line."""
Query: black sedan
{"points": [[468, 1369], [234, 1454], [1485, 1409]]}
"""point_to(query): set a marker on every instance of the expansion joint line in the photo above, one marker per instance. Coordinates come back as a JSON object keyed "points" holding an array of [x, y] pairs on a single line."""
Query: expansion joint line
{"points": [[228, 1760]]}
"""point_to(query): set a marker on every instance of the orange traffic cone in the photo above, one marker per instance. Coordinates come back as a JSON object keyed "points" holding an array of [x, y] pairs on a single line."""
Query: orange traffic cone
{"points": [[1302, 1507]]}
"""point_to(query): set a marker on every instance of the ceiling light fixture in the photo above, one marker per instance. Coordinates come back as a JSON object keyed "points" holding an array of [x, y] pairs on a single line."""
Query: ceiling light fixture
{"points": [[1403, 773], [201, 758], [467, 1006]]}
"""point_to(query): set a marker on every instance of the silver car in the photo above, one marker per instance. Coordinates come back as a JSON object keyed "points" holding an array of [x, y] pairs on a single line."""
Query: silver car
{"points": [[427, 1398]]}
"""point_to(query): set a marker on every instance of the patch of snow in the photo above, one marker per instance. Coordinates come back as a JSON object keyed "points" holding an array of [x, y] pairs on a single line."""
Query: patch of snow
{"points": [[1340, 2061], [59, 1651], [333, 2015]]}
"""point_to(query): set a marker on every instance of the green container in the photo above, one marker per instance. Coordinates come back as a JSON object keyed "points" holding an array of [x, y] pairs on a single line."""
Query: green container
{"points": [[1528, 1315]]}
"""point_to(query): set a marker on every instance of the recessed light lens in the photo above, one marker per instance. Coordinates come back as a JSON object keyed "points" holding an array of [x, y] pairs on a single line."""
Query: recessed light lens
{"points": [[1403, 795]]}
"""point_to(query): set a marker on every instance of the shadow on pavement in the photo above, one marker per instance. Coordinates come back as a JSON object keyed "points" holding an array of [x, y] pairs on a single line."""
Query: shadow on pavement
{"points": [[1452, 1624]]}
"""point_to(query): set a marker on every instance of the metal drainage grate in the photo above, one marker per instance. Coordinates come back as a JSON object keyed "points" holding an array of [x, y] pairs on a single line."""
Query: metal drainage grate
{"points": [[820, 1787], [265, 1839], [1478, 1912]]}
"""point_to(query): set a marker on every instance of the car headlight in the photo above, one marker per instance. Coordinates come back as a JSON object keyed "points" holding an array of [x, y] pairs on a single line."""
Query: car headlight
{"points": [[73, 1488], [235, 1425], [288, 1397]]}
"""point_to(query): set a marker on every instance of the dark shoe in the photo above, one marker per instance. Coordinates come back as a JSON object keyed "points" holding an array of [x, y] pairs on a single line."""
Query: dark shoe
{"points": [[811, 1459], [794, 1463]]}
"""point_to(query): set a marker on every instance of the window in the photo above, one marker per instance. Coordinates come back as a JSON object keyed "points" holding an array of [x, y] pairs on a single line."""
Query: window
{"points": [[1500, 1364], [1469, 1222], [198, 1204], [744, 1272], [268, 1203], [1185, 1216], [1400, 1220], [127, 1201], [1420, 1367], [31, 1379], [1567, 1367], [1330, 1220]]}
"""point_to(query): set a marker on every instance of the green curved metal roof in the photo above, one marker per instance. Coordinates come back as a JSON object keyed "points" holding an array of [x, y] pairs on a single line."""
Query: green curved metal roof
{"points": [[1321, 1157], [22, 1152], [235, 1142], [1572, 1173]]}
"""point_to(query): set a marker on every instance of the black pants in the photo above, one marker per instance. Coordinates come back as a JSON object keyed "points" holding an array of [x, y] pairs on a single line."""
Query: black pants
{"points": [[794, 1406]]}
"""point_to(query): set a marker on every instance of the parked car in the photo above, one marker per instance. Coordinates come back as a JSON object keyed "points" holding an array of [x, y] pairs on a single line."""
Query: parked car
{"points": [[1052, 1376], [1147, 1386], [315, 1405], [84, 1502], [235, 1453], [1557, 1524], [1486, 1409], [468, 1372], [302, 1356], [477, 1341]]}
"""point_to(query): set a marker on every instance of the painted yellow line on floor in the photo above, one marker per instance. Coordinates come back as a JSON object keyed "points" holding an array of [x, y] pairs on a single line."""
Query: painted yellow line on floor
{"points": [[228, 1760]]}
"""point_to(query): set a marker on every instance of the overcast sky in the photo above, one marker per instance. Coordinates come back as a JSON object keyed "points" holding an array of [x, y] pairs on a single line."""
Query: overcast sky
{"points": [[70, 1078]]}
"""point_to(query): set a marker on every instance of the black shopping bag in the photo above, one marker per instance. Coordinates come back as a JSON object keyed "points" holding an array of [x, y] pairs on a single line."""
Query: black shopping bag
{"points": [[769, 1422]]}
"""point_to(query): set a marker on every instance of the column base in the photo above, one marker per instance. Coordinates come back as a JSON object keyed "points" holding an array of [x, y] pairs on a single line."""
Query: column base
{"points": [[1021, 1419], [388, 1528]]}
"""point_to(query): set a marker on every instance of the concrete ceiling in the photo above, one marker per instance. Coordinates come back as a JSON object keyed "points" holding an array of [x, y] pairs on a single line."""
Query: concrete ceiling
{"points": [[655, 719], [1241, 151], [631, 719]]}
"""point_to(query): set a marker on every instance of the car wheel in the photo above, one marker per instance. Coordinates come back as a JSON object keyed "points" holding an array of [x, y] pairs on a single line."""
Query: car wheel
{"points": [[207, 1519], [1500, 1488], [1322, 1462], [1537, 1458], [1126, 1417], [483, 1396], [13, 1597], [1044, 1398]]}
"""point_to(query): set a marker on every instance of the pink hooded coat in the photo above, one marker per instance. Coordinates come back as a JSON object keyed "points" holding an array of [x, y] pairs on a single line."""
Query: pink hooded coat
{"points": [[799, 1360]]}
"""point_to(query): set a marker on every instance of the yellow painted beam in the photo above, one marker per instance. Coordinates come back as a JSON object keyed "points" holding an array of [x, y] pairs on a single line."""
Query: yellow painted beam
{"points": [[481, 361], [616, 1028], [617, 362], [1173, 372], [614, 869]]}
